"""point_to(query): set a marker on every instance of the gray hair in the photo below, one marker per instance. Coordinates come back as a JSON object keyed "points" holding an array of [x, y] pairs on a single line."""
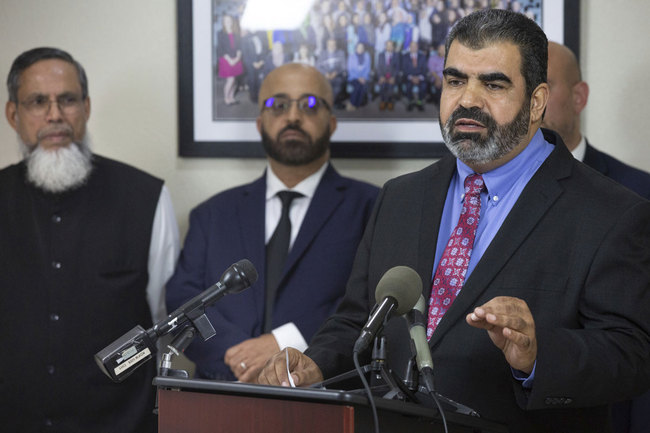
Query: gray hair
{"points": [[28, 58], [488, 26]]}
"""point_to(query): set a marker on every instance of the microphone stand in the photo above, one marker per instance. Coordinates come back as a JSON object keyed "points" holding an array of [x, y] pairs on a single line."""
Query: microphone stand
{"points": [[383, 376], [176, 347], [384, 380]]}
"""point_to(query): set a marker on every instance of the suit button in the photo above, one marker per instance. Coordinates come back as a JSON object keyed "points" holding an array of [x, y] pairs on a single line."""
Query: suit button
{"points": [[56, 265]]}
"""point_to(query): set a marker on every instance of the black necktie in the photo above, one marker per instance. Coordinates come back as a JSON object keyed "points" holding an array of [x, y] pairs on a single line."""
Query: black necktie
{"points": [[276, 254]]}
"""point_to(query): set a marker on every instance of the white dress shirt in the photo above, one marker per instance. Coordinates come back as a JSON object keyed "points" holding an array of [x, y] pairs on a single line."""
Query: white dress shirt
{"points": [[580, 150], [163, 253]]}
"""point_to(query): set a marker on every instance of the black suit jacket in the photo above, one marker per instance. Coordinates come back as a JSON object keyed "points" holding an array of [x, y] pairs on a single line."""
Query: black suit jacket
{"points": [[633, 178], [575, 247]]}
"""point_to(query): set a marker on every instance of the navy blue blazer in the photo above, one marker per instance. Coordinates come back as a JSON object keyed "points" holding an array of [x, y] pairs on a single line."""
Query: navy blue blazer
{"points": [[633, 178], [393, 68], [420, 69], [230, 226]]}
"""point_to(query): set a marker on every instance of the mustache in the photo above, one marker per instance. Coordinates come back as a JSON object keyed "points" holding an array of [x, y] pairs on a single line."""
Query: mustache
{"points": [[55, 129], [473, 113], [292, 127]]}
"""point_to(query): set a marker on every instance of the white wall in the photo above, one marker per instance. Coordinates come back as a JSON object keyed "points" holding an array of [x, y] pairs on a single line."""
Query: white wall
{"points": [[129, 51]]}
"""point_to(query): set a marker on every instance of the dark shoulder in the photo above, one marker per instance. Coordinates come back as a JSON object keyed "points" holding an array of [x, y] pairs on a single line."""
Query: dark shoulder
{"points": [[633, 178], [121, 168], [232, 195], [10, 175], [360, 187], [124, 177], [413, 179]]}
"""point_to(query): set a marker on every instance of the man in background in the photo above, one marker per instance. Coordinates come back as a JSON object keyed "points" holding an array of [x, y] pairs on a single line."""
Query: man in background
{"points": [[299, 224], [388, 68], [567, 98], [414, 72], [331, 63], [86, 245]]}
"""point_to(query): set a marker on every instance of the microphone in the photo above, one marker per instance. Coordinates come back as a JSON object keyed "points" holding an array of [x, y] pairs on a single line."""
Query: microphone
{"points": [[120, 358], [398, 289], [417, 329]]}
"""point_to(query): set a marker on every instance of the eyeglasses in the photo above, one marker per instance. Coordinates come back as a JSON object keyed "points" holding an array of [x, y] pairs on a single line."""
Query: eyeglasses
{"points": [[307, 104], [40, 105]]}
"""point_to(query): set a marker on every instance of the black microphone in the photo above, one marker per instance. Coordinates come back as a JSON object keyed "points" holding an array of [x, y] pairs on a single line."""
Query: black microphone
{"points": [[120, 358], [398, 289], [417, 329]]}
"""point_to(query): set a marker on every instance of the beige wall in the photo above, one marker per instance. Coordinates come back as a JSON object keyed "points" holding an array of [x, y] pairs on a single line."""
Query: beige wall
{"points": [[129, 51]]}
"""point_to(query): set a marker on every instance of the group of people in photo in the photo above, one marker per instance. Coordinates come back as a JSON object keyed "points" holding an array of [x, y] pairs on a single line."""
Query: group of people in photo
{"points": [[379, 52]]}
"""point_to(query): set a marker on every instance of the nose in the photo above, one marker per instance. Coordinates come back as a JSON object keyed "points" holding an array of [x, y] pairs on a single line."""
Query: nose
{"points": [[53, 113], [294, 115], [472, 95]]}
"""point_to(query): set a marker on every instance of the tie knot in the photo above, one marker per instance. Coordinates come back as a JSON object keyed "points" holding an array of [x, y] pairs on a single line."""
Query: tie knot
{"points": [[286, 197], [474, 184]]}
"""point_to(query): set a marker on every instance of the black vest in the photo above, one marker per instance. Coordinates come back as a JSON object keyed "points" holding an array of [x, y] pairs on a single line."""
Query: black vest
{"points": [[73, 273]]}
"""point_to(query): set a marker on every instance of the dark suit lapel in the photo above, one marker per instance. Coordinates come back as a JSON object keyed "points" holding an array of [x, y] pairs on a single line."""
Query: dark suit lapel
{"points": [[252, 214], [327, 198], [435, 192], [537, 197]]}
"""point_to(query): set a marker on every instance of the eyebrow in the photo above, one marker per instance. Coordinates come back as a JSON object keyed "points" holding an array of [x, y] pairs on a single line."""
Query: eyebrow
{"points": [[58, 95], [490, 76], [454, 73], [495, 76], [284, 95]]}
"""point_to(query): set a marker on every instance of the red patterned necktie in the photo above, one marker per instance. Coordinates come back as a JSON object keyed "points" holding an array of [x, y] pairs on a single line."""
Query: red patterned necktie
{"points": [[450, 275]]}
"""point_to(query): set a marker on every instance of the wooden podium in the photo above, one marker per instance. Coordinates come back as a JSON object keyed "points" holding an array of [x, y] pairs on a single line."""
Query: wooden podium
{"points": [[202, 406]]}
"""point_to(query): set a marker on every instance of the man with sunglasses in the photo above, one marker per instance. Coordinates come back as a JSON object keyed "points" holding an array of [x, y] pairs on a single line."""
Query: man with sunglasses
{"points": [[323, 220], [86, 245]]}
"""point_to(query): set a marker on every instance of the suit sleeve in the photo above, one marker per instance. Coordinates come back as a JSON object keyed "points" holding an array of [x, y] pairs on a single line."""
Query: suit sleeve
{"points": [[610, 349], [189, 280], [331, 347]]}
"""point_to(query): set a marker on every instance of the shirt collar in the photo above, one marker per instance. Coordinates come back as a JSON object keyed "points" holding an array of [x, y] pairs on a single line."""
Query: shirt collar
{"points": [[580, 150], [501, 180], [307, 187]]}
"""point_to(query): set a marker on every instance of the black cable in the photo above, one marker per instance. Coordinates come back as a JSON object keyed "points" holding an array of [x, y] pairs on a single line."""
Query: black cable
{"points": [[355, 358], [433, 395]]}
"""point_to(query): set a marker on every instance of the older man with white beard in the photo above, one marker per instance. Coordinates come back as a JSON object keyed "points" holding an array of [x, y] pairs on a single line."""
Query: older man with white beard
{"points": [[86, 245]]}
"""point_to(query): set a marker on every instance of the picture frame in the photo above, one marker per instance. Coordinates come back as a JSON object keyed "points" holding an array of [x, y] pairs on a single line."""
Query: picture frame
{"points": [[208, 128]]}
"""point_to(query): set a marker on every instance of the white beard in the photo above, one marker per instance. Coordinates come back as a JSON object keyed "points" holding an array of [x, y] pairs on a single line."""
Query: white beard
{"points": [[58, 170]]}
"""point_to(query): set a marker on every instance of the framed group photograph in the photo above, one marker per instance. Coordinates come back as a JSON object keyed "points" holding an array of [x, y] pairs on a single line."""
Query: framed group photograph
{"points": [[383, 58]]}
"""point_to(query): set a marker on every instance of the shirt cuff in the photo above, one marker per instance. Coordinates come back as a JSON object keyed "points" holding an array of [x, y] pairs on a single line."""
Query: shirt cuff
{"points": [[525, 379], [288, 335]]}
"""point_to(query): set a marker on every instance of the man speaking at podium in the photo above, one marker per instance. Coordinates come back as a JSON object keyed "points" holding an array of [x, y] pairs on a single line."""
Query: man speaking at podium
{"points": [[536, 268]]}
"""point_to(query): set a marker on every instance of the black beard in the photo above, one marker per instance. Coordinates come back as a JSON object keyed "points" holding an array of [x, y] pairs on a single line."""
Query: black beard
{"points": [[472, 147], [295, 152]]}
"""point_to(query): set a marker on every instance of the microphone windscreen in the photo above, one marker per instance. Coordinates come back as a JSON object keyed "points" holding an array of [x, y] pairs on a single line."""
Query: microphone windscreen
{"points": [[248, 269], [403, 284], [420, 305]]}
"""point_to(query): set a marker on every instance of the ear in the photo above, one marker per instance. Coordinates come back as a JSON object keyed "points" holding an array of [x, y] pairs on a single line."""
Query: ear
{"points": [[11, 112], [538, 101], [580, 95], [87, 108], [333, 123], [258, 122]]}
